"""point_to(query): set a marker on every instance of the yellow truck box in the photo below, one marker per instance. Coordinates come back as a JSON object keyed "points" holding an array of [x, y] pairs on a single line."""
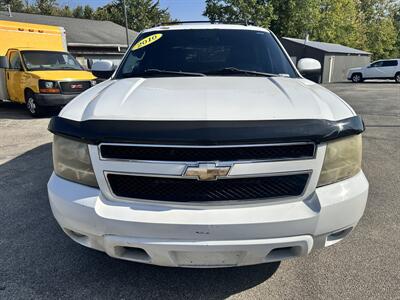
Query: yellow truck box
{"points": [[36, 69]]}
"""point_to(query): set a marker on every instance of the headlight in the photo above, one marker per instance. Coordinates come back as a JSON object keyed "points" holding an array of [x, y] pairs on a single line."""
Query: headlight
{"points": [[72, 161], [342, 160], [93, 82], [48, 87]]}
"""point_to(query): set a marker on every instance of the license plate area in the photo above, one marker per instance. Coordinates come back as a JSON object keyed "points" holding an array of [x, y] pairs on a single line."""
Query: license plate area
{"points": [[207, 259]]}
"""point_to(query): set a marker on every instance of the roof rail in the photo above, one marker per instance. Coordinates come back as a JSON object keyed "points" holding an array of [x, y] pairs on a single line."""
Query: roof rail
{"points": [[246, 23]]}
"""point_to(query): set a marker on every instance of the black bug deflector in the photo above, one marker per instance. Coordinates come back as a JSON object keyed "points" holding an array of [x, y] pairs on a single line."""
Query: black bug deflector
{"points": [[206, 132]]}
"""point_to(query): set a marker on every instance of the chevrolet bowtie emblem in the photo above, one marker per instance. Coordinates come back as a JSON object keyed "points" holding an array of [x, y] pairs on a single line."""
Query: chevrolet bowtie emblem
{"points": [[206, 172]]}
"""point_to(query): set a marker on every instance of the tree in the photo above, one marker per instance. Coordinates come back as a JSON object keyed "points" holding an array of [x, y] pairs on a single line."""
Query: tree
{"points": [[339, 22], [87, 12], [295, 18], [15, 5], [109, 12], [397, 23], [141, 13], [65, 11], [378, 18], [78, 12], [259, 12], [30, 8], [372, 25], [46, 7]]}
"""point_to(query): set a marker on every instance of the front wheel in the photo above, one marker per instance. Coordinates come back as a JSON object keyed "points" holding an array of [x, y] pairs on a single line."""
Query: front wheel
{"points": [[356, 78], [32, 106], [397, 77]]}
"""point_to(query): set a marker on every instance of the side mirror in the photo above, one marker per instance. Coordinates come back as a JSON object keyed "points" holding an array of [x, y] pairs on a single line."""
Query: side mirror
{"points": [[4, 64], [103, 69], [308, 65]]}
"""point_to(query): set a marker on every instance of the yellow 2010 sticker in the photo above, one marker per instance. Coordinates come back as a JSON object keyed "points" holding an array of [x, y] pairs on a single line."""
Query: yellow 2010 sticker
{"points": [[147, 41]]}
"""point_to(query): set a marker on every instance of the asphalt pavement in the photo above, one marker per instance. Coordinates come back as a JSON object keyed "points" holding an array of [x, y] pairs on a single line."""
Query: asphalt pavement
{"points": [[38, 261]]}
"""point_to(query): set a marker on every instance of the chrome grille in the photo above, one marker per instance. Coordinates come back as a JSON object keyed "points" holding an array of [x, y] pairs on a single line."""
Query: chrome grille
{"points": [[74, 87]]}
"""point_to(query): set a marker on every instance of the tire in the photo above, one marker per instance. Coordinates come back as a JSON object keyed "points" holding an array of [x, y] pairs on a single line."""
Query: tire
{"points": [[356, 78], [397, 77], [33, 108]]}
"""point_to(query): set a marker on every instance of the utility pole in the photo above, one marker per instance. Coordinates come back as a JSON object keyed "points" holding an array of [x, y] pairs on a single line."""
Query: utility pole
{"points": [[9, 10], [126, 25]]}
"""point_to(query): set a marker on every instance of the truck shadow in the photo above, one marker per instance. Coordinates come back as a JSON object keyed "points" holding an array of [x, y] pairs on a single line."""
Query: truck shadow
{"points": [[39, 260], [15, 111]]}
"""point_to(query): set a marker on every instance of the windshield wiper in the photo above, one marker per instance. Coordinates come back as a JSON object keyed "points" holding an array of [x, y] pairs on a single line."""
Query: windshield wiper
{"points": [[234, 71], [69, 68], [167, 72]]}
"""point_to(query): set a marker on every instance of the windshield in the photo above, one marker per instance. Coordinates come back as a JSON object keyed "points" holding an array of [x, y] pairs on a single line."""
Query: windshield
{"points": [[211, 52], [49, 60]]}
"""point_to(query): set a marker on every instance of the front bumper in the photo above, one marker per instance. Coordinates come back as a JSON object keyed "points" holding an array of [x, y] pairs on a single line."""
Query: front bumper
{"points": [[208, 237], [54, 99]]}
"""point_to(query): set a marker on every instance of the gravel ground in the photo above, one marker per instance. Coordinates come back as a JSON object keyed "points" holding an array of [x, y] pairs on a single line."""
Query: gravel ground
{"points": [[38, 261]]}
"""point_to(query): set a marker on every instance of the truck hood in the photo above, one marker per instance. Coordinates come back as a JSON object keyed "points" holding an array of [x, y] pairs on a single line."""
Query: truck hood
{"points": [[61, 75], [207, 98]]}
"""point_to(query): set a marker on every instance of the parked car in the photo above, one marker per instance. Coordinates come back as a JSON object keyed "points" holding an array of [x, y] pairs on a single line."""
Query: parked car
{"points": [[207, 148], [381, 69], [36, 69]]}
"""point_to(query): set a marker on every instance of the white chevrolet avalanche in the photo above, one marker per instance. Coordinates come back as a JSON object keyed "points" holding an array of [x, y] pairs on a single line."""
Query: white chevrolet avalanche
{"points": [[207, 148]]}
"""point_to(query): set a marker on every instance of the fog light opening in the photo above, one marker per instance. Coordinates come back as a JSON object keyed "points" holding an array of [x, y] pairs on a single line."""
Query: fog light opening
{"points": [[132, 253], [76, 236], [337, 236], [283, 253]]}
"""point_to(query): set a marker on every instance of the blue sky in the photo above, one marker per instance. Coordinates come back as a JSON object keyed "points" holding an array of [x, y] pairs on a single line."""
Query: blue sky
{"points": [[185, 9], [180, 9]]}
